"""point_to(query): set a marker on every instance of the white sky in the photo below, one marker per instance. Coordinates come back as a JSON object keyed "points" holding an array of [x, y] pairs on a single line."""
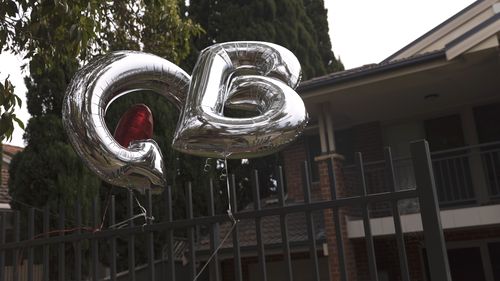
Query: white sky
{"points": [[362, 32], [367, 31]]}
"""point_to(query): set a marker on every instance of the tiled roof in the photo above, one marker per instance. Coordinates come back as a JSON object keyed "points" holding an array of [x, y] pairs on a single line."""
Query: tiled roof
{"points": [[368, 69], [11, 149], [8, 152]]}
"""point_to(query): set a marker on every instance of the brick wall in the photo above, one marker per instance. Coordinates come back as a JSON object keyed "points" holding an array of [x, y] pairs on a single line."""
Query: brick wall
{"points": [[293, 159], [4, 191], [324, 193]]}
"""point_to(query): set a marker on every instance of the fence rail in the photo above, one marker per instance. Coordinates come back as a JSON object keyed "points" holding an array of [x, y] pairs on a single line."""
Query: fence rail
{"points": [[459, 173], [80, 255]]}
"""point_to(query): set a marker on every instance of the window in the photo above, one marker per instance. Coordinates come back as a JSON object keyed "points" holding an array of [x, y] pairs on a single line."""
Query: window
{"points": [[487, 119], [494, 252], [471, 260], [444, 132], [344, 143]]}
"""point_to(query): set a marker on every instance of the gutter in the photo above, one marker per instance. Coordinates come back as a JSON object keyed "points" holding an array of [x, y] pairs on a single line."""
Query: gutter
{"points": [[384, 67]]}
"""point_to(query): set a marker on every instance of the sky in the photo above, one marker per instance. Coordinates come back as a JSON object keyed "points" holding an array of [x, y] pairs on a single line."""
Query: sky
{"points": [[367, 31], [361, 31]]}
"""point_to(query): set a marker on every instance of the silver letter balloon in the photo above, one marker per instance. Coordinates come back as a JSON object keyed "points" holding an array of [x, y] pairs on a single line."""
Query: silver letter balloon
{"points": [[255, 77]]}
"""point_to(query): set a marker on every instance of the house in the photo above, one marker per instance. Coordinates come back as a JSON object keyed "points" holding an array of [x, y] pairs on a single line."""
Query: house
{"points": [[443, 87]]}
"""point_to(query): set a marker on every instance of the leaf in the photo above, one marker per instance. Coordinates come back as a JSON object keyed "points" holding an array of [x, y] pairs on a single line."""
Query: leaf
{"points": [[3, 127], [18, 121], [9, 132], [19, 101], [2, 96], [6, 126]]}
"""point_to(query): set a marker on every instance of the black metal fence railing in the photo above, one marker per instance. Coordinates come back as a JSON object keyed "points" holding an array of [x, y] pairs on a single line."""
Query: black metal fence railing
{"points": [[458, 173], [279, 232]]}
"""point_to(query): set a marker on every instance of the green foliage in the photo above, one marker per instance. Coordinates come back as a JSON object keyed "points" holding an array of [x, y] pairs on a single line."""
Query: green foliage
{"points": [[48, 171], [299, 25], [316, 11], [8, 102], [58, 37]]}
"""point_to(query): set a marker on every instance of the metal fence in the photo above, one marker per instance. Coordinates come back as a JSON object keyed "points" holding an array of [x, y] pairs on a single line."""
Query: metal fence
{"points": [[82, 245], [459, 174]]}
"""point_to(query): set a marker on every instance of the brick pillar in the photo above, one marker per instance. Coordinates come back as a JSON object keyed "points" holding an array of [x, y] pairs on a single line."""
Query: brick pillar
{"points": [[294, 157], [330, 231]]}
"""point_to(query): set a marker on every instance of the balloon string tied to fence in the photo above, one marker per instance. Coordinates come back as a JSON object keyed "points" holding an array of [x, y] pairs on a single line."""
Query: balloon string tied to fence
{"points": [[229, 213], [143, 214]]}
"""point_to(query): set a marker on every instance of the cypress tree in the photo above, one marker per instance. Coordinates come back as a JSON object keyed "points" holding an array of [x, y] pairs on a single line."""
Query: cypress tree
{"points": [[299, 25]]}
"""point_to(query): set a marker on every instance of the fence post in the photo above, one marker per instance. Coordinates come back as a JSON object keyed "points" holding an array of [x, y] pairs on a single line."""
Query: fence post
{"points": [[429, 209], [2, 241]]}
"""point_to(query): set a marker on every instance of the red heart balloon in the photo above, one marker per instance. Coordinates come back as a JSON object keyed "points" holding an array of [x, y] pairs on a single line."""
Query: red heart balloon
{"points": [[135, 124]]}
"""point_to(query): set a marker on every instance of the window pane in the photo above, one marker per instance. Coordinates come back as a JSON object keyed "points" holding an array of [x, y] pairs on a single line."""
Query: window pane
{"points": [[494, 249], [466, 264], [444, 132], [344, 143]]}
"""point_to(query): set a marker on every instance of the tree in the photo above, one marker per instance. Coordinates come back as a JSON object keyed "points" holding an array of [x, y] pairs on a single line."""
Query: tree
{"points": [[58, 37], [316, 11], [299, 25]]}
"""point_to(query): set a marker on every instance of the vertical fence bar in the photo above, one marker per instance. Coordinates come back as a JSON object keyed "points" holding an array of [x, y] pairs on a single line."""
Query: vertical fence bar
{"points": [[214, 237], [78, 243], [459, 184], [2, 241], [466, 187], [372, 264], [495, 177], [313, 252], [258, 227], [236, 237], [190, 232], [31, 236], [451, 191], [94, 244], [131, 238], [442, 181], [487, 175], [46, 266], [391, 181], [170, 235], [336, 221], [112, 221], [16, 256], [284, 227], [429, 209], [150, 236], [61, 256]]}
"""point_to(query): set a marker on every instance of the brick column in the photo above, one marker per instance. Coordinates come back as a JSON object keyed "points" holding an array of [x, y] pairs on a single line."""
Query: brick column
{"points": [[294, 157], [330, 231]]}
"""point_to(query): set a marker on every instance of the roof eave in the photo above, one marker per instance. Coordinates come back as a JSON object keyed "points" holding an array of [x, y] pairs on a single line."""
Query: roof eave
{"points": [[312, 85]]}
